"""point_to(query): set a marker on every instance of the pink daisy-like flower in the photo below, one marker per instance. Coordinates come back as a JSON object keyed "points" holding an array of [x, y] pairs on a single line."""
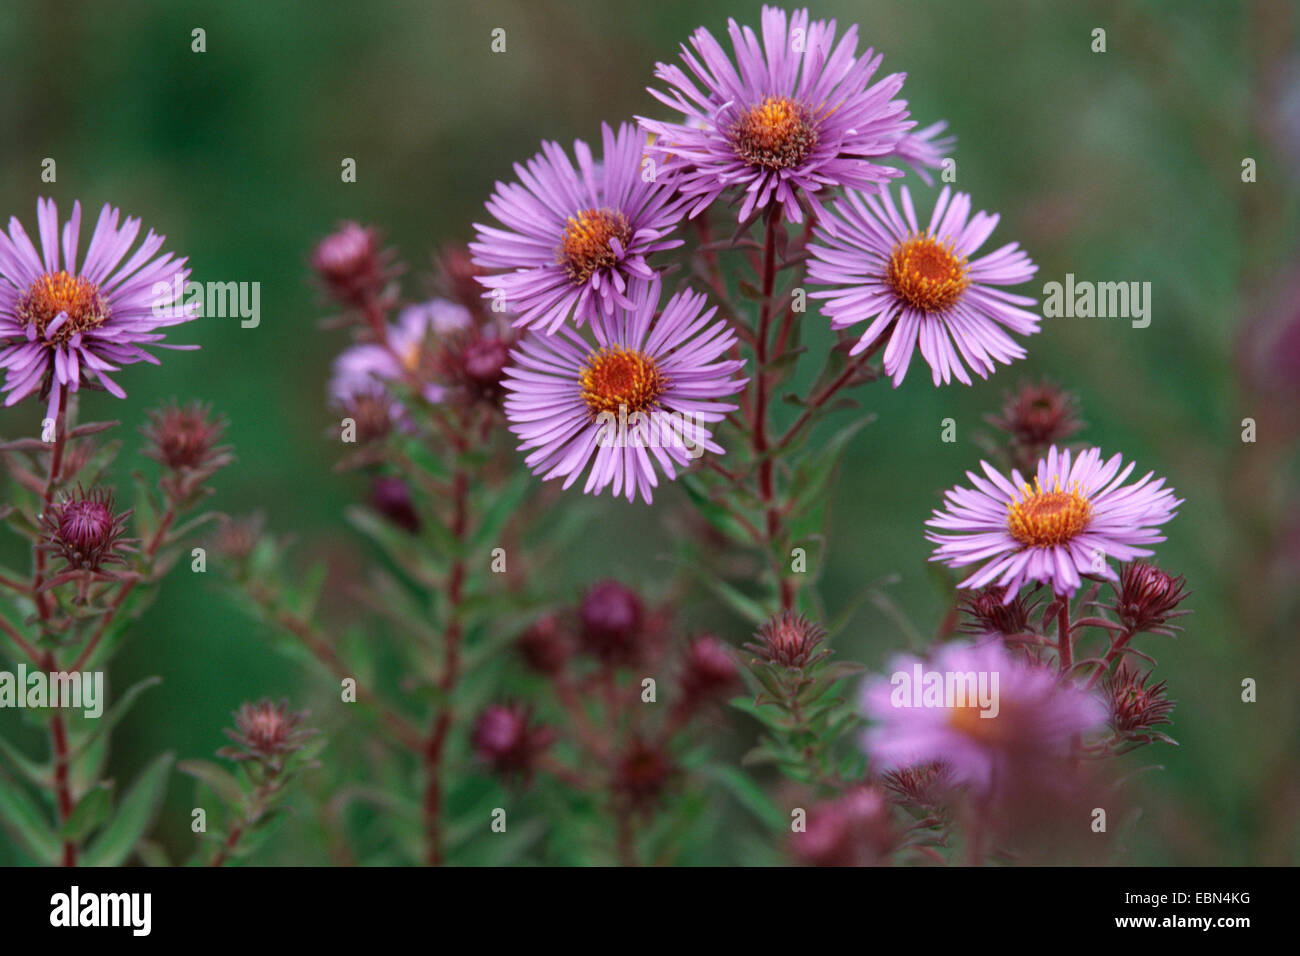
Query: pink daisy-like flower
{"points": [[920, 285], [576, 239], [641, 396], [364, 369], [1033, 714], [1077, 516], [794, 115], [62, 324]]}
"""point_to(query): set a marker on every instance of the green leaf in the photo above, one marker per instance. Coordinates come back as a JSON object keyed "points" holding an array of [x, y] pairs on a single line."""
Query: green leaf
{"points": [[743, 787], [115, 714], [223, 784], [37, 773], [90, 811], [133, 817], [24, 820]]}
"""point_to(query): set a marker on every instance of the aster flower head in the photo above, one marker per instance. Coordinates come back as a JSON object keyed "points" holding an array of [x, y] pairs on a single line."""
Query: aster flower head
{"points": [[636, 402], [576, 240], [405, 356], [1033, 715], [64, 322], [266, 732], [794, 114], [85, 530], [921, 286], [1147, 598], [1076, 516]]}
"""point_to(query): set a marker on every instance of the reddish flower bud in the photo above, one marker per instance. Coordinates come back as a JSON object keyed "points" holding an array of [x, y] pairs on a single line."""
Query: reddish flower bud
{"points": [[988, 615], [544, 646], [1135, 706], [351, 264], [852, 830], [84, 530], [923, 785], [642, 774], [1038, 414], [790, 640], [184, 438], [238, 537], [1147, 598], [504, 737], [391, 497], [709, 670], [613, 622], [456, 277], [265, 731]]}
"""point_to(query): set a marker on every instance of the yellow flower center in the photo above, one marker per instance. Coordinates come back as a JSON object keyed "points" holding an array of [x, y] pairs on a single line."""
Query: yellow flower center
{"points": [[58, 292], [586, 243], [927, 274], [617, 377], [775, 134], [1046, 518]]}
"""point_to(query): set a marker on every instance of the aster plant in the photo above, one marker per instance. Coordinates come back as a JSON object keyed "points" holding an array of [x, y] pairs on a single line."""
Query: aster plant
{"points": [[70, 325], [633, 321]]}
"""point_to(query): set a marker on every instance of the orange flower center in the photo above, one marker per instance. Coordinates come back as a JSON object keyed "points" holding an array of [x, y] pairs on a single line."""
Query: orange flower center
{"points": [[586, 243], [618, 377], [1045, 518], [967, 720], [927, 274], [776, 134], [58, 292]]}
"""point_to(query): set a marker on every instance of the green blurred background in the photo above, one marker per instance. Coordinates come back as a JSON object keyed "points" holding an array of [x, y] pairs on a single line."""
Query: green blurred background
{"points": [[1123, 165]]}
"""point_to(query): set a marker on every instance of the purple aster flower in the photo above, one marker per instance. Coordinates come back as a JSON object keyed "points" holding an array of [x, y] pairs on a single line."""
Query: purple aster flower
{"points": [[1077, 516], [934, 712], [576, 239], [924, 149], [61, 325], [641, 396], [920, 285], [364, 369], [794, 114]]}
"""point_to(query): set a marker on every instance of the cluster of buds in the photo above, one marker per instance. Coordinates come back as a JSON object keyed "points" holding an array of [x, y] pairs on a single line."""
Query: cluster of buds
{"points": [[597, 656]]}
